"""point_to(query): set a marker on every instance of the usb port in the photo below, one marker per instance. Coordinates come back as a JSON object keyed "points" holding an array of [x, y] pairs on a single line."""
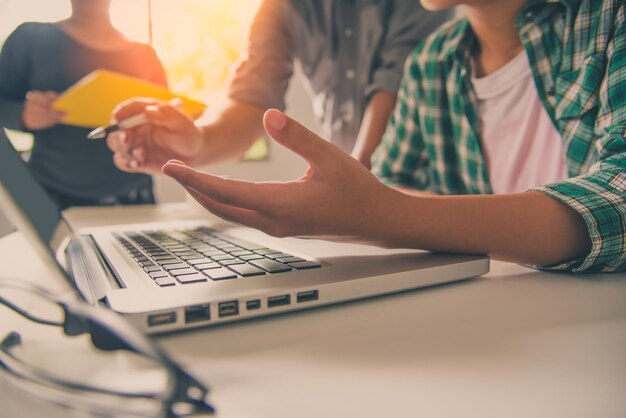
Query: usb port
{"points": [[308, 295], [197, 313], [273, 301], [161, 318], [230, 308], [253, 304]]}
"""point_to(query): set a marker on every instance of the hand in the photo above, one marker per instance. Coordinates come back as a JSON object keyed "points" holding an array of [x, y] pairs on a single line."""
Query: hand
{"points": [[38, 113], [337, 197], [168, 134]]}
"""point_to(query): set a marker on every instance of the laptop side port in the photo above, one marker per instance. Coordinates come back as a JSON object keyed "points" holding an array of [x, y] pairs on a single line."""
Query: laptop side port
{"points": [[308, 296], [251, 305], [197, 313], [230, 308], [281, 300], [161, 318]]}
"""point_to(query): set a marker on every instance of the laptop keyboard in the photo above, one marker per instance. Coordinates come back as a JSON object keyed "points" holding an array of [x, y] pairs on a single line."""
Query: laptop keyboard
{"points": [[183, 256]]}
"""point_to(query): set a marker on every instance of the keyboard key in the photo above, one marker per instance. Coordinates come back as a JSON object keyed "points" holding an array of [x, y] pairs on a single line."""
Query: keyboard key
{"points": [[246, 270], [165, 281], [222, 257], [271, 266], [220, 274], [192, 278], [184, 253], [168, 261], [170, 267], [157, 274], [304, 265], [251, 257], [204, 248], [145, 263], [188, 258], [207, 266], [182, 272], [150, 269], [231, 262], [163, 256], [241, 252], [278, 255], [197, 261], [290, 259], [264, 251], [213, 253]]}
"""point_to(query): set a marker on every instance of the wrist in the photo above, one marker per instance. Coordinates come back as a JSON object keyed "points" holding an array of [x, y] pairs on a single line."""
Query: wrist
{"points": [[394, 223]]}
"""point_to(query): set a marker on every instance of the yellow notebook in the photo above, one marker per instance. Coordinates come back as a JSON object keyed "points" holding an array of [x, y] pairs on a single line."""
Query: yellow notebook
{"points": [[91, 100]]}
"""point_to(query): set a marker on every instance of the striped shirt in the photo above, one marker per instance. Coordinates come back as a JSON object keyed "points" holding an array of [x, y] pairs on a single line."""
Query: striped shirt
{"points": [[577, 53]]}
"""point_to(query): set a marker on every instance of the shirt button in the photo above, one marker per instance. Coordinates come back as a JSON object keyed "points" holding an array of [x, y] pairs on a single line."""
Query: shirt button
{"points": [[348, 32], [350, 74]]}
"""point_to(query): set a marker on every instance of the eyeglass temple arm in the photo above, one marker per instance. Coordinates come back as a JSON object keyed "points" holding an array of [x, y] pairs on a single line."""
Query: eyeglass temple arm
{"points": [[26, 315]]}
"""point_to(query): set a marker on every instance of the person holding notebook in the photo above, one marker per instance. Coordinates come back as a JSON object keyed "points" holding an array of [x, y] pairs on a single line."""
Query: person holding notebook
{"points": [[351, 54], [40, 60], [508, 139]]}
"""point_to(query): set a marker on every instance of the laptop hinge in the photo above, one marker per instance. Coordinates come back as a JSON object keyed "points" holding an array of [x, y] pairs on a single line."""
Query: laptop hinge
{"points": [[90, 271]]}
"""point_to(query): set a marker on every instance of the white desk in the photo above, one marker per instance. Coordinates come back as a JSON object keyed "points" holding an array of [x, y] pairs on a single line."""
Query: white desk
{"points": [[514, 343]]}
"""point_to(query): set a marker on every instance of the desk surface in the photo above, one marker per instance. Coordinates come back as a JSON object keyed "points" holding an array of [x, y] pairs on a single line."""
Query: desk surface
{"points": [[513, 343]]}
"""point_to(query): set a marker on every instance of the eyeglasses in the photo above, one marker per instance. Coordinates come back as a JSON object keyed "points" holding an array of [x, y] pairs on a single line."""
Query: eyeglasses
{"points": [[155, 385]]}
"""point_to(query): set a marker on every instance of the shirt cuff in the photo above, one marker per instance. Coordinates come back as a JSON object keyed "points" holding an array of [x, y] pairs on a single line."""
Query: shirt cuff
{"points": [[385, 80], [602, 209]]}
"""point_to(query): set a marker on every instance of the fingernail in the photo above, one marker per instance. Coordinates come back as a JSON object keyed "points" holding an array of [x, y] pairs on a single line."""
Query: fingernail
{"points": [[123, 137], [177, 162], [151, 108], [276, 120], [133, 164]]}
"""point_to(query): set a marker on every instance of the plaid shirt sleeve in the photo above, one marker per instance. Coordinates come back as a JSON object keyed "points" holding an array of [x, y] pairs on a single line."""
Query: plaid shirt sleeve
{"points": [[599, 195]]}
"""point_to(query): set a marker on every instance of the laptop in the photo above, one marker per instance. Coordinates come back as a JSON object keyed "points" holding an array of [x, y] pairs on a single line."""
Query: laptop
{"points": [[169, 276]]}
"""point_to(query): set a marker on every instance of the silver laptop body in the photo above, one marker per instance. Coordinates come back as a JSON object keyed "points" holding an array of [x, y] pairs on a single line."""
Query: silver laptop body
{"points": [[113, 265]]}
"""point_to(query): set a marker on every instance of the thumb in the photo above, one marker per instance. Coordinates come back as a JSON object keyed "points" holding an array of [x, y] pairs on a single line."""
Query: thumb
{"points": [[289, 133]]}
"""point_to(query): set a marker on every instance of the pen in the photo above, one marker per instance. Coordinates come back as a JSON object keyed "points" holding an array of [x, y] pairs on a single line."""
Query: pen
{"points": [[132, 122]]}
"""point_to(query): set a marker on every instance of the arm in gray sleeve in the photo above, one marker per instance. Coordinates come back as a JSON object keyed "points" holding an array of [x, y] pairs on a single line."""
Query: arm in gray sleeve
{"points": [[14, 70], [263, 76], [407, 24]]}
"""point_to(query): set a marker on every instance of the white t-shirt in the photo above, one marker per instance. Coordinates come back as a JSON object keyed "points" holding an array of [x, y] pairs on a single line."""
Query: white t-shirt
{"points": [[522, 148]]}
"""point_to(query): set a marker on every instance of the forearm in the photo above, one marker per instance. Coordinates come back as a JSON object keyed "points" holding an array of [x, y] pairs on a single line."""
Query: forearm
{"points": [[231, 133], [373, 125], [527, 228]]}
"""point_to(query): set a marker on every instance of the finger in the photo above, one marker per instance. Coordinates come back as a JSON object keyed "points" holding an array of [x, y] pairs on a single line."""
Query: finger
{"points": [[168, 117], [114, 141], [131, 107], [125, 163], [38, 99], [50, 95], [230, 213], [238, 193], [121, 141], [286, 131]]}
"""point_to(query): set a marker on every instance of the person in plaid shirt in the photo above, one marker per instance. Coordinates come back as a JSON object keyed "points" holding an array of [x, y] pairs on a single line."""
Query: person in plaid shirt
{"points": [[517, 113]]}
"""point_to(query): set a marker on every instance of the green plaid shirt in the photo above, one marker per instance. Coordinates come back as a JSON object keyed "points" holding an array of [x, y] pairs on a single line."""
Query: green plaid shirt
{"points": [[577, 52]]}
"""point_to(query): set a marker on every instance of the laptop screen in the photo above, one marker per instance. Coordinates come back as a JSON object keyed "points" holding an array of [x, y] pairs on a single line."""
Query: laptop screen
{"points": [[26, 203]]}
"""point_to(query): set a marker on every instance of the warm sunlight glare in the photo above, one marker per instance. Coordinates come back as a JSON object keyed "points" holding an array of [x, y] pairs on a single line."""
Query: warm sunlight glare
{"points": [[197, 40]]}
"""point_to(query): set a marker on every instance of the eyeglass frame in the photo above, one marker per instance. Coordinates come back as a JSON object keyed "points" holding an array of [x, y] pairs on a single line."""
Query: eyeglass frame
{"points": [[108, 332]]}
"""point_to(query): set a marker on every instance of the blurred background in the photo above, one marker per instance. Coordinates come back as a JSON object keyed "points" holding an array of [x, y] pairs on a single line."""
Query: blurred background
{"points": [[197, 41]]}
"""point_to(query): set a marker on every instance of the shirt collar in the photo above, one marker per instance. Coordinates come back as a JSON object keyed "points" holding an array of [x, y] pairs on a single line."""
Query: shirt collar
{"points": [[462, 39]]}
